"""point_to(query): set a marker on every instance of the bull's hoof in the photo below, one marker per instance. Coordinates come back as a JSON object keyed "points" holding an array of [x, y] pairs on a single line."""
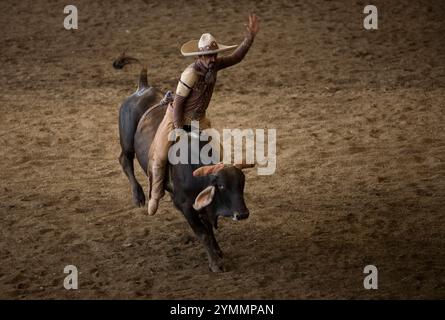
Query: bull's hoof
{"points": [[217, 266], [138, 196], [219, 252]]}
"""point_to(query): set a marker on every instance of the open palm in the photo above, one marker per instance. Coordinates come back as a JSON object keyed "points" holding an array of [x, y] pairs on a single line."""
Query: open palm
{"points": [[253, 27]]}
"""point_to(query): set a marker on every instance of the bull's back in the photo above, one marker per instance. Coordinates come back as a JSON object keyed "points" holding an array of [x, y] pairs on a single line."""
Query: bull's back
{"points": [[131, 111], [145, 133]]}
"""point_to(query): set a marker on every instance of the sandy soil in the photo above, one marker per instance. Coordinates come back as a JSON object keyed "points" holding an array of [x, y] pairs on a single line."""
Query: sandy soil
{"points": [[360, 178]]}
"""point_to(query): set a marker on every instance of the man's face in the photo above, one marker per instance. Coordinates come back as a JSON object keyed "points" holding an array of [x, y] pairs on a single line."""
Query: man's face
{"points": [[209, 60]]}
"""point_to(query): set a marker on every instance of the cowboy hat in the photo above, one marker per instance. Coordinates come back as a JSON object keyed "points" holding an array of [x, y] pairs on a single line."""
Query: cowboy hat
{"points": [[205, 45]]}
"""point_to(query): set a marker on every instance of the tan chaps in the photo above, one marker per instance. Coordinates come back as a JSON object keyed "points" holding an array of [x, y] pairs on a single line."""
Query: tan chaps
{"points": [[158, 153]]}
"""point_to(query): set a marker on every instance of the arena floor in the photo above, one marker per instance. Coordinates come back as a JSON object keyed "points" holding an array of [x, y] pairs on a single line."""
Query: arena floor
{"points": [[360, 173]]}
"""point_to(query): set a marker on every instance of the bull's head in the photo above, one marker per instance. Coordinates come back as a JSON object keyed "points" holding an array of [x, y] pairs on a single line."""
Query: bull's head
{"points": [[225, 194]]}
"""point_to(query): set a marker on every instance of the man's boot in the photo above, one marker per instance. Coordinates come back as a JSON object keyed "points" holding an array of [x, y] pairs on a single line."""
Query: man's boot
{"points": [[156, 187], [153, 206]]}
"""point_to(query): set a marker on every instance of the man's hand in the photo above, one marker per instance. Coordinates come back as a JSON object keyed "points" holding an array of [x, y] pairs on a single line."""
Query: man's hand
{"points": [[253, 27]]}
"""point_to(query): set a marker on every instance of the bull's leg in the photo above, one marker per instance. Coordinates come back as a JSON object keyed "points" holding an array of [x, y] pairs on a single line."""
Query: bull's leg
{"points": [[126, 161], [215, 244], [217, 248], [207, 238]]}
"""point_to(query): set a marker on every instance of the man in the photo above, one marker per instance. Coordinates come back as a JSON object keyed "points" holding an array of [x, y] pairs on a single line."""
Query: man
{"points": [[192, 98]]}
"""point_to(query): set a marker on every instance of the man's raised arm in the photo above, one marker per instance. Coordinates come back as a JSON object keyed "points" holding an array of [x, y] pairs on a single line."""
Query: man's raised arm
{"points": [[243, 48]]}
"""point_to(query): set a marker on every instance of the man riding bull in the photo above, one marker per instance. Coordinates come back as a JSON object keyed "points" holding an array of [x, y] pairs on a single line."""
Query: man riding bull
{"points": [[192, 98]]}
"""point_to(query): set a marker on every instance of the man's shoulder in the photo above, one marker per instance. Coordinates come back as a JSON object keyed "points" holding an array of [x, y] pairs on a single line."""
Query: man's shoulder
{"points": [[193, 68], [190, 68], [190, 74]]}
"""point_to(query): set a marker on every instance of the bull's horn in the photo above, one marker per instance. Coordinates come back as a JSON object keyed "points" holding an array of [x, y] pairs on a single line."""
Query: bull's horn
{"points": [[206, 170], [244, 165]]}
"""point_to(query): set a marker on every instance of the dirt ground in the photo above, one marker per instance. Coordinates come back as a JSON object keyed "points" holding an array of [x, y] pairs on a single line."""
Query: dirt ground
{"points": [[360, 151]]}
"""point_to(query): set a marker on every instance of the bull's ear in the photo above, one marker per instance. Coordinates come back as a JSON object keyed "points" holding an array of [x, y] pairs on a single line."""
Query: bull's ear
{"points": [[204, 198], [206, 170]]}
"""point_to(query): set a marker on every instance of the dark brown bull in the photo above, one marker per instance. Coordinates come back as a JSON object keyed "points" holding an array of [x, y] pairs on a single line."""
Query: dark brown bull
{"points": [[201, 193]]}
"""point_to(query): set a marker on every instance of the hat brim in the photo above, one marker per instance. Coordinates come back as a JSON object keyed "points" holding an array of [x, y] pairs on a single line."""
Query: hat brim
{"points": [[191, 49]]}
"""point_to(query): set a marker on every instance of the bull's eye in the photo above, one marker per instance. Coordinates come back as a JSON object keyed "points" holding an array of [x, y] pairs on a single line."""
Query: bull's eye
{"points": [[221, 187]]}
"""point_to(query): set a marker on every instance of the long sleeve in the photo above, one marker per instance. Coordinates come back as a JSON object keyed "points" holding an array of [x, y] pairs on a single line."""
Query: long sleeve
{"points": [[178, 111], [237, 55], [185, 85]]}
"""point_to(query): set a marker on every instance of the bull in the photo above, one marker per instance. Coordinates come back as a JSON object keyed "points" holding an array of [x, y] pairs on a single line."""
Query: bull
{"points": [[201, 192]]}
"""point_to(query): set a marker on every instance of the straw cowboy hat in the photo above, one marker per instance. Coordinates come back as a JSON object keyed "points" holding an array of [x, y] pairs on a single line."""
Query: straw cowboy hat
{"points": [[206, 45]]}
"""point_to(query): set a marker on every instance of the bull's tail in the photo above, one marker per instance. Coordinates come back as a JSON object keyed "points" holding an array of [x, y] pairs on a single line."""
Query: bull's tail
{"points": [[121, 61], [143, 79]]}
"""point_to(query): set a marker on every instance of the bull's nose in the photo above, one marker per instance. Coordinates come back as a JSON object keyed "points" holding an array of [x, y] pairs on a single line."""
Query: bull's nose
{"points": [[240, 216]]}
